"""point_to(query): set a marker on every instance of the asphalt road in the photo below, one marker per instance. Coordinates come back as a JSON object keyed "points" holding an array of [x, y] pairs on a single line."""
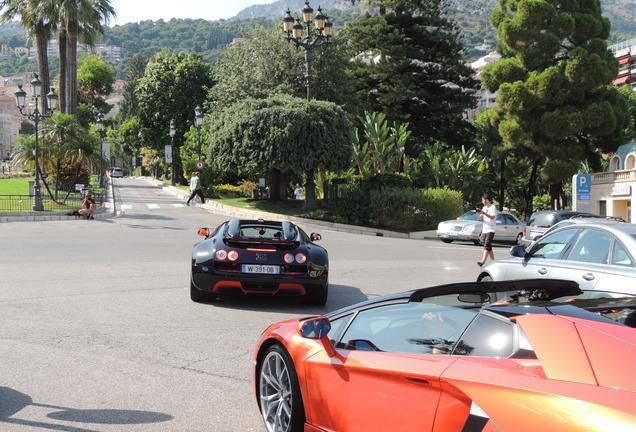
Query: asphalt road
{"points": [[97, 331]]}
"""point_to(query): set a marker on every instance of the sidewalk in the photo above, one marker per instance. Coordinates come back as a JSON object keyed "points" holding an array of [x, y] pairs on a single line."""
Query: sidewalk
{"points": [[234, 212], [106, 211]]}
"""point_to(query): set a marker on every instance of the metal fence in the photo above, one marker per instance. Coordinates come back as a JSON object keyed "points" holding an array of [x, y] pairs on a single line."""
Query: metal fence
{"points": [[24, 203]]}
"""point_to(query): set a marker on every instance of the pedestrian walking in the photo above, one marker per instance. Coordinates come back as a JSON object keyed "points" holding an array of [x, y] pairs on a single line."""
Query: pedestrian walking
{"points": [[195, 188], [488, 215]]}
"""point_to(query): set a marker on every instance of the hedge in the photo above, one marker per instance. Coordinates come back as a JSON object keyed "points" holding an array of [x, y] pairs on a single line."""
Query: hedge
{"points": [[402, 209]]}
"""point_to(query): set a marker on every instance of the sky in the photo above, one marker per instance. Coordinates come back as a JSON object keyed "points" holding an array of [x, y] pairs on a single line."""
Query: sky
{"points": [[139, 10]]}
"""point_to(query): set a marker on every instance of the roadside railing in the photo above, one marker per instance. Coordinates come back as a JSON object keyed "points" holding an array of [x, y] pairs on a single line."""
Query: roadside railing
{"points": [[24, 203]]}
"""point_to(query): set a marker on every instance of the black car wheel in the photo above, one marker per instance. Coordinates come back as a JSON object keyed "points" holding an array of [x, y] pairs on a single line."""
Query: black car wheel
{"points": [[519, 237], [198, 296], [446, 240], [486, 279], [477, 242], [318, 296], [280, 400]]}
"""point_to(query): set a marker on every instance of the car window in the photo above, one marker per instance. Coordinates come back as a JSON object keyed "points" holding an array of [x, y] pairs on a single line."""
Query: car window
{"points": [[469, 216], [552, 245], [412, 328], [510, 220], [620, 256], [592, 246], [544, 220], [261, 231], [500, 219], [487, 337], [337, 326]]}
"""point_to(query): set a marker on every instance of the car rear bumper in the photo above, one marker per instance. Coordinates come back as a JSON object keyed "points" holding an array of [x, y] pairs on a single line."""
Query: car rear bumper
{"points": [[247, 284]]}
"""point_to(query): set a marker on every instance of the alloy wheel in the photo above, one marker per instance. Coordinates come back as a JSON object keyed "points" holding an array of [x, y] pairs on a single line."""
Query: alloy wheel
{"points": [[275, 393]]}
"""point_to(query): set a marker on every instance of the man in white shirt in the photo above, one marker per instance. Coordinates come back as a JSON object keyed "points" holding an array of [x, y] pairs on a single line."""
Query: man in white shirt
{"points": [[488, 215]]}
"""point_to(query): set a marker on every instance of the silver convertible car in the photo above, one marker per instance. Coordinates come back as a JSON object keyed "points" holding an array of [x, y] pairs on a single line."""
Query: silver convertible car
{"points": [[597, 256], [468, 228]]}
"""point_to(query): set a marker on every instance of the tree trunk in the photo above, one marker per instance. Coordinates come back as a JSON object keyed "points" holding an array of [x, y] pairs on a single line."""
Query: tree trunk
{"points": [[310, 191], [556, 190], [72, 29], [502, 183], [274, 189], [531, 187], [42, 45], [62, 90]]}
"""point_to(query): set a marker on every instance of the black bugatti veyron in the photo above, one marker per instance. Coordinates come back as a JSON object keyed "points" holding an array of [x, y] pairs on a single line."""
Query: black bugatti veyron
{"points": [[246, 257]]}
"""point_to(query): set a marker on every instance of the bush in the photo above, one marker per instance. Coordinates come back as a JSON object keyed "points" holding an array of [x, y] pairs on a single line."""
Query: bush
{"points": [[387, 180], [16, 175], [541, 202], [227, 190], [413, 209], [351, 206], [247, 188]]}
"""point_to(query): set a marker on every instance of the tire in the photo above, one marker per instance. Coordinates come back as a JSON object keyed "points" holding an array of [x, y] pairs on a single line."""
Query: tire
{"points": [[271, 384], [318, 297], [446, 240], [486, 278], [198, 296], [519, 237], [477, 242]]}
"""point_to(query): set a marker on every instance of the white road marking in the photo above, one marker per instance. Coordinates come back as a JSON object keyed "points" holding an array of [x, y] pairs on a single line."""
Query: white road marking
{"points": [[125, 206], [152, 206], [178, 205]]}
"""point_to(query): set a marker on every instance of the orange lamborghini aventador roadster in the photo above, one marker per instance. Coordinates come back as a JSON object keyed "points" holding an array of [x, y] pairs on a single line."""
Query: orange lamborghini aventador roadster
{"points": [[517, 356]]}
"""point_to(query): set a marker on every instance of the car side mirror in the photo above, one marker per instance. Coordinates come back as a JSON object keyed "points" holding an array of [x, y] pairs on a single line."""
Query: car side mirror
{"points": [[318, 329], [315, 237], [518, 251], [204, 232]]}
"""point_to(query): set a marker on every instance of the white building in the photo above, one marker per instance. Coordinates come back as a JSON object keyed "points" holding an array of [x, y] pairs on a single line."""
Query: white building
{"points": [[485, 99]]}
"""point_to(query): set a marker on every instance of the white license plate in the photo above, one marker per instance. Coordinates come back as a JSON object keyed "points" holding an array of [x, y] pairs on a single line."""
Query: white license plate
{"points": [[258, 268]]}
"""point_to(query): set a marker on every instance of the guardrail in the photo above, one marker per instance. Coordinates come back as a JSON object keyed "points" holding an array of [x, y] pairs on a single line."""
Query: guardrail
{"points": [[24, 203]]}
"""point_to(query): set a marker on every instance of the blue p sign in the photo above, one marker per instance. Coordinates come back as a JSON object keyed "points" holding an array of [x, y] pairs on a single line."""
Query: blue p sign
{"points": [[584, 184]]}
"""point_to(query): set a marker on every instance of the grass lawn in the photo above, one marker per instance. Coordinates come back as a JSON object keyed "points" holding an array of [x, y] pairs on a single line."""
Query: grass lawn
{"points": [[14, 186]]}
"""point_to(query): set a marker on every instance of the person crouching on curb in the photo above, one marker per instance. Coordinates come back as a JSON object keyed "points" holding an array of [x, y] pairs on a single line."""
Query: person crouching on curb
{"points": [[89, 207], [195, 188], [488, 215]]}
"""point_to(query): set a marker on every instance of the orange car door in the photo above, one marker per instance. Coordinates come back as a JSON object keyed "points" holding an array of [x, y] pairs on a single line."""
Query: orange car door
{"points": [[385, 374], [374, 391]]}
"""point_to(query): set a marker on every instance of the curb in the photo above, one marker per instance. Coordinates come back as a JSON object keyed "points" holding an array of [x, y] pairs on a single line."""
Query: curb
{"points": [[103, 213], [216, 207]]}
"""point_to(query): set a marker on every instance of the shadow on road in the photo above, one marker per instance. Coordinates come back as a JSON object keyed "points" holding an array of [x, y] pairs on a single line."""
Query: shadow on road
{"points": [[339, 296], [13, 401]]}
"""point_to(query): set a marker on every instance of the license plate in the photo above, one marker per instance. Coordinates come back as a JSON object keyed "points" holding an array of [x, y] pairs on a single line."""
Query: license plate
{"points": [[257, 268]]}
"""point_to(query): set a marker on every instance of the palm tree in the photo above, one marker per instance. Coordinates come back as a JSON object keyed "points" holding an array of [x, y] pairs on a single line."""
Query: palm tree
{"points": [[79, 19], [39, 27]]}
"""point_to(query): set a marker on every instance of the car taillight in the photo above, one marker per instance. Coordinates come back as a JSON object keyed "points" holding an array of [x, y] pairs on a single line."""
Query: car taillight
{"points": [[525, 232], [233, 255], [220, 255], [301, 258], [289, 258]]}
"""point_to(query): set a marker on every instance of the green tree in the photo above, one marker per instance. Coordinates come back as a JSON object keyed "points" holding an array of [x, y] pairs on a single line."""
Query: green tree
{"points": [[172, 86], [38, 27], [281, 134], [78, 18], [555, 105], [130, 104], [409, 65], [95, 80]]}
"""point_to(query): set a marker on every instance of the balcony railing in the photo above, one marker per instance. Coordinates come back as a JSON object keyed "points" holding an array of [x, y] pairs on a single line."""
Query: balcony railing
{"points": [[614, 177]]}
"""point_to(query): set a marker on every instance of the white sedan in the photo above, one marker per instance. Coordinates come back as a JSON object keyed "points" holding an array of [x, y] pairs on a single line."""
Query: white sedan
{"points": [[468, 228]]}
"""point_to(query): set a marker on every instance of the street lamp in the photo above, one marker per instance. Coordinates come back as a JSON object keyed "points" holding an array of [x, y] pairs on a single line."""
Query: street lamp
{"points": [[173, 132], [102, 133], [36, 116], [304, 36], [198, 122]]}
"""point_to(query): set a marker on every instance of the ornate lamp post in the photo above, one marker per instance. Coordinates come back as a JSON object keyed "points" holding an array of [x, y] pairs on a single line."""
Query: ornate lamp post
{"points": [[173, 132], [102, 133], [303, 35], [198, 122], [36, 116]]}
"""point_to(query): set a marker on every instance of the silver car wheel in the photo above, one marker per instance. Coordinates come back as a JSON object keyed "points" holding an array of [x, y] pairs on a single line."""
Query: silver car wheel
{"points": [[275, 393]]}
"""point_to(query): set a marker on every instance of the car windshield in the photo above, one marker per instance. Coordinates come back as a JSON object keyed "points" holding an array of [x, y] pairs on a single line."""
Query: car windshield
{"points": [[618, 307], [469, 216], [544, 220]]}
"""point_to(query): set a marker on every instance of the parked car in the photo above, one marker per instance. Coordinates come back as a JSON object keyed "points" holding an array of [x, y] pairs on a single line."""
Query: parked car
{"points": [[468, 228], [116, 172], [597, 256], [577, 221], [459, 357], [258, 257], [543, 220]]}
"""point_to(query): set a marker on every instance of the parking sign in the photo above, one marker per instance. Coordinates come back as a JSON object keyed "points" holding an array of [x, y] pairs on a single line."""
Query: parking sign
{"points": [[583, 183]]}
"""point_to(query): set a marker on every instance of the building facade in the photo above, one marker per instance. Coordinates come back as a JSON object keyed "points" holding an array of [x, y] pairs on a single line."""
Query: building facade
{"points": [[10, 121], [625, 53], [485, 99]]}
